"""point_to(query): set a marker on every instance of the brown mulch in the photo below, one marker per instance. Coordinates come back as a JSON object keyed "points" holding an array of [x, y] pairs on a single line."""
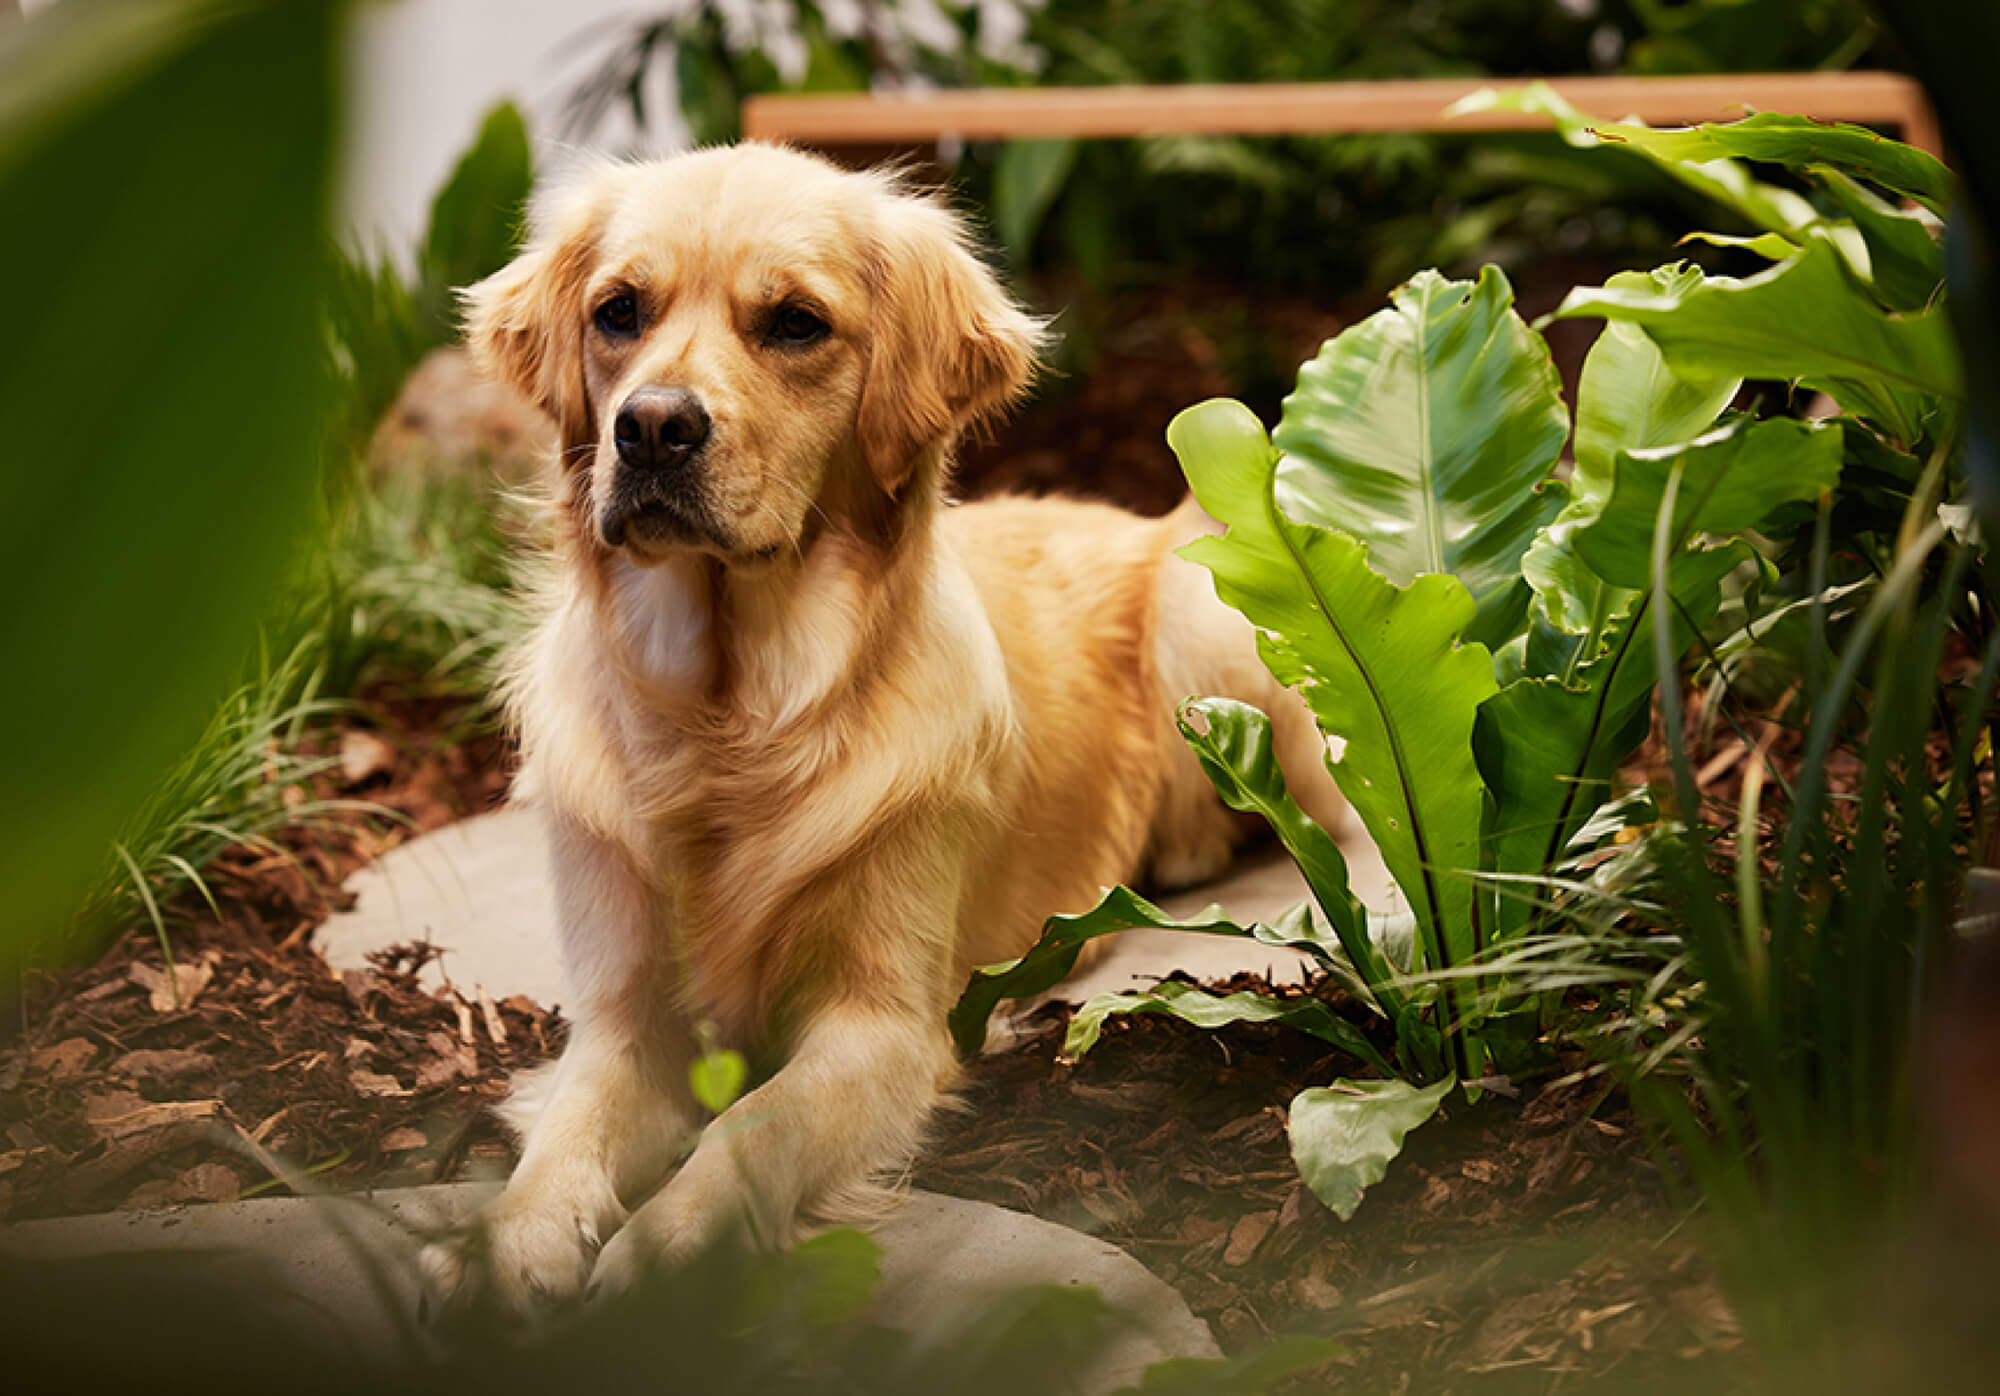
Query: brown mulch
{"points": [[131, 1083], [1527, 1234]]}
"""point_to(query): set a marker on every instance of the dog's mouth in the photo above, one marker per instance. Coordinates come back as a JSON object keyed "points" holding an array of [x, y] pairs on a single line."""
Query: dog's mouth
{"points": [[646, 511], [648, 522]]}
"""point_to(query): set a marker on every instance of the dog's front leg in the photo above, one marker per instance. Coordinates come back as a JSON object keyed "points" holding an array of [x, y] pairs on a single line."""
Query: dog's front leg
{"points": [[850, 1103], [608, 1119]]}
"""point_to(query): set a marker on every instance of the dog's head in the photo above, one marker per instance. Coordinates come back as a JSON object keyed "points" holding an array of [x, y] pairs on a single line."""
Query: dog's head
{"points": [[731, 338]]}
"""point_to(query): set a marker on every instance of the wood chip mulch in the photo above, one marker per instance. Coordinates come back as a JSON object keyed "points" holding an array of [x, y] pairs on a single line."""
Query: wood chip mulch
{"points": [[1524, 1242]]}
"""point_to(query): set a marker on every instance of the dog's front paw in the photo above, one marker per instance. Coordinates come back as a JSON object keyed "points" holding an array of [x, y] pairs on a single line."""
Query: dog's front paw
{"points": [[693, 1212], [520, 1259]]}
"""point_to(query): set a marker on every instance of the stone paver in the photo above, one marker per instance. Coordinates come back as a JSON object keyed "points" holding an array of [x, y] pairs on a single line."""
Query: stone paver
{"points": [[349, 1262], [480, 890]]}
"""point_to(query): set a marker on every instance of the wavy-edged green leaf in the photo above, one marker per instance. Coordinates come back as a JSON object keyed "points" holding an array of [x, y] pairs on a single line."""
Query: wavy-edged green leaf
{"points": [[1799, 142], [1774, 247], [1727, 182], [1380, 665], [1803, 319], [1424, 430], [1629, 397], [1344, 1136], [1731, 480], [1233, 744], [1550, 748], [1053, 956], [1206, 1010], [1905, 258]]}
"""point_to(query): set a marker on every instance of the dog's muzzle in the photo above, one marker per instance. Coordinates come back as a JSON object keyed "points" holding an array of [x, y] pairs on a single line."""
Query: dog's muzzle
{"points": [[660, 434]]}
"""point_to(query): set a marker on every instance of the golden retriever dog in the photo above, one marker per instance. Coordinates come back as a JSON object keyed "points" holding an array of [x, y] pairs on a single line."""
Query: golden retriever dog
{"points": [[809, 743]]}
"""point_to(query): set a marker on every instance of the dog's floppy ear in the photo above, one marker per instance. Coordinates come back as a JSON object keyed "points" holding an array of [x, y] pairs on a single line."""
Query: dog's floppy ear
{"points": [[949, 344], [524, 324]]}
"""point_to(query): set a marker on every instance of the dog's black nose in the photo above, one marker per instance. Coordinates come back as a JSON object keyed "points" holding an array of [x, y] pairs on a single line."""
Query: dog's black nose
{"points": [[659, 428]]}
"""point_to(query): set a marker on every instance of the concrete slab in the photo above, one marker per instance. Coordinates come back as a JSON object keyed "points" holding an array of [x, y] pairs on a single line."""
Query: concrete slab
{"points": [[350, 1263], [480, 890]]}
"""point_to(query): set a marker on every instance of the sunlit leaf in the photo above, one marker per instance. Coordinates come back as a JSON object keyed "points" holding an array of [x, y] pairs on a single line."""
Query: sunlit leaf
{"points": [[1233, 743], [1727, 182], [1343, 1137], [1053, 956], [1905, 258], [717, 1079], [1730, 480], [1206, 1010], [1424, 431], [1380, 665], [1802, 319], [1799, 142]]}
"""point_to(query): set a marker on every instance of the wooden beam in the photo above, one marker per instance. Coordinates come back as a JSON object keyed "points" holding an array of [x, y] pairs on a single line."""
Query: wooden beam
{"points": [[1300, 109]]}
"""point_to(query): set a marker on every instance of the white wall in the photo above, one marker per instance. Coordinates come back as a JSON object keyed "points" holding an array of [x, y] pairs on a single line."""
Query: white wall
{"points": [[423, 72]]}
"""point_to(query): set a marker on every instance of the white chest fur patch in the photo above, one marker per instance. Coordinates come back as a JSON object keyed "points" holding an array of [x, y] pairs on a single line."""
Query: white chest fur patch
{"points": [[664, 620]]}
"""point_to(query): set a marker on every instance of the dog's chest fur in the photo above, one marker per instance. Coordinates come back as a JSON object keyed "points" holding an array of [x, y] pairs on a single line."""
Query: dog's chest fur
{"points": [[767, 810]]}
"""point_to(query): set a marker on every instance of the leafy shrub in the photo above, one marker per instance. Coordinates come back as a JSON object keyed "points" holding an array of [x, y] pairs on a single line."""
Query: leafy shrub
{"points": [[1483, 639]]}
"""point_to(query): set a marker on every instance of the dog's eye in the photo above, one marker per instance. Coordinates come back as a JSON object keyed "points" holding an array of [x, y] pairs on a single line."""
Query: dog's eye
{"points": [[619, 316], [795, 326]]}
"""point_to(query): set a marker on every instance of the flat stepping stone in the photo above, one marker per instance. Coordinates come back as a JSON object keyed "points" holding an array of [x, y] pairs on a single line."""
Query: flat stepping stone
{"points": [[480, 891], [349, 1262]]}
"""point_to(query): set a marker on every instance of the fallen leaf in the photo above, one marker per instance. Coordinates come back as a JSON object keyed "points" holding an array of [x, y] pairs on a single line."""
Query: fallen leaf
{"points": [[66, 1058], [169, 993], [363, 756], [1248, 1234], [361, 985]]}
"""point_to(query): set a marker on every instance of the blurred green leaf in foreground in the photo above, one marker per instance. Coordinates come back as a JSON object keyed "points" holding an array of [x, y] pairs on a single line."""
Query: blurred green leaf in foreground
{"points": [[163, 381]]}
